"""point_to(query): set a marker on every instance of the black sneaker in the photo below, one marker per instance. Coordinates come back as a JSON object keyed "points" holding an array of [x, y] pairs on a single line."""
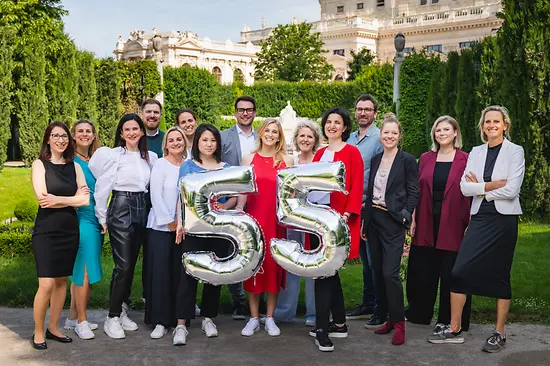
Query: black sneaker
{"points": [[323, 341], [360, 312], [335, 331], [375, 322], [494, 343], [446, 336], [238, 313]]}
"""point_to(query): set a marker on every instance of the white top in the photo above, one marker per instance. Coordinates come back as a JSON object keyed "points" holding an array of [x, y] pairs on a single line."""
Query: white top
{"points": [[322, 198], [247, 142], [379, 188], [116, 169], [509, 166], [133, 173], [164, 195]]}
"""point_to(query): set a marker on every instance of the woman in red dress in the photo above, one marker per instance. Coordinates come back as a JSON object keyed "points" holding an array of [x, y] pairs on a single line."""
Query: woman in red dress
{"points": [[268, 159]]}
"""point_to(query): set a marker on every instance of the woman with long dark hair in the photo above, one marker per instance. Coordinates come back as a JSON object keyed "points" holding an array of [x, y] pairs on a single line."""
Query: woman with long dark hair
{"points": [[60, 186], [124, 171], [186, 120], [87, 267]]}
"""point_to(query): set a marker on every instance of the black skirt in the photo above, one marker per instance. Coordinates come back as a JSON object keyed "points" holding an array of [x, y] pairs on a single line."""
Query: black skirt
{"points": [[485, 258]]}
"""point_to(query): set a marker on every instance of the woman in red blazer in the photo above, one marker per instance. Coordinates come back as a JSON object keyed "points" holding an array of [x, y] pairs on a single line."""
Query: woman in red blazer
{"points": [[329, 298], [435, 248]]}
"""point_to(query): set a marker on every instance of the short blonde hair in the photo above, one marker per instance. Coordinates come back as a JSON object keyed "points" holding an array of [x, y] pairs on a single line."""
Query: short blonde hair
{"points": [[391, 118], [505, 119], [314, 127], [457, 142], [280, 147], [165, 138]]}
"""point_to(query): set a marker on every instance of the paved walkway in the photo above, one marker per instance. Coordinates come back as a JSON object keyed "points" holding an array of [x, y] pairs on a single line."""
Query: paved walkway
{"points": [[527, 345]]}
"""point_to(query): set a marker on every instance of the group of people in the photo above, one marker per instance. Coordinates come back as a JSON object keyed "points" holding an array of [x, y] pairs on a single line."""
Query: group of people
{"points": [[463, 246]]}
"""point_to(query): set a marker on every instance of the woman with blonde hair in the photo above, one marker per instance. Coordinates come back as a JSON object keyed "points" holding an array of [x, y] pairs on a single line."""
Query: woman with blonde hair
{"points": [[434, 247], [87, 266], [269, 157], [493, 177], [307, 139], [391, 199], [164, 263]]}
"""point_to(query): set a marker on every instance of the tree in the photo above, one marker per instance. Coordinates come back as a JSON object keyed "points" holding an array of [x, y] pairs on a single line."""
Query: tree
{"points": [[293, 53], [109, 106], [86, 107], [466, 104], [6, 66], [359, 59]]}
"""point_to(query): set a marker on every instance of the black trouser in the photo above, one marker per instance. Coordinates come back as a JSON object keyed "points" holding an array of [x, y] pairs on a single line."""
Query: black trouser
{"points": [[428, 268], [386, 238], [126, 221], [187, 290], [329, 297], [238, 297], [163, 278]]}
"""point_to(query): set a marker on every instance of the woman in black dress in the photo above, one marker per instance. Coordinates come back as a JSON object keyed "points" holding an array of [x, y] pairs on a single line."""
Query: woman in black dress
{"points": [[493, 177], [60, 186]]}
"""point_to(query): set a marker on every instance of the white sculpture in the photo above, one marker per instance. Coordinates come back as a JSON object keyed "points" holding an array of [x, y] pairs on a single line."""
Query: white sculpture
{"points": [[288, 121]]}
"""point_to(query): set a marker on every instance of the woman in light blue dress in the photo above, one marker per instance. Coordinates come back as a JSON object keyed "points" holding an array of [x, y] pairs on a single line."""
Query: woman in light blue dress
{"points": [[306, 139], [87, 267]]}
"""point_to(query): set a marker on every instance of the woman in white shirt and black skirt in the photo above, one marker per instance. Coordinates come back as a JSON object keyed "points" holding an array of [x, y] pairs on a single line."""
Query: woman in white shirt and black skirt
{"points": [[123, 171]]}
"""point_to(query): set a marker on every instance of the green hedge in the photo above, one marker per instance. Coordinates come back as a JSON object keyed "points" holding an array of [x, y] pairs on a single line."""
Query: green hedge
{"points": [[15, 239], [6, 67]]}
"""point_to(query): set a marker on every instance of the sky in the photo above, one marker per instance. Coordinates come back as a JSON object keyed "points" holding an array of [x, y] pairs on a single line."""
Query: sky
{"points": [[94, 25]]}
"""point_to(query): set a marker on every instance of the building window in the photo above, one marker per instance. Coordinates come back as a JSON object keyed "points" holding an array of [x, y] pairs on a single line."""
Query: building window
{"points": [[217, 72], [466, 44], [360, 6], [426, 2], [238, 76], [379, 2], [340, 52], [340, 9], [435, 48], [339, 78], [407, 50]]}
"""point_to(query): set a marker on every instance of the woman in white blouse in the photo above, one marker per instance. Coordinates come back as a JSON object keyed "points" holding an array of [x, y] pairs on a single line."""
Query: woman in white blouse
{"points": [[123, 171], [164, 264]]}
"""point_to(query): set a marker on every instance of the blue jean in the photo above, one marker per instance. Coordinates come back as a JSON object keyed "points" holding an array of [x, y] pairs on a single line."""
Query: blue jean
{"points": [[288, 298], [369, 297]]}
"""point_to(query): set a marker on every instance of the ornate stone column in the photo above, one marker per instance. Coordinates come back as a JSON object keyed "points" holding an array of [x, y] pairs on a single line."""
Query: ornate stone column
{"points": [[399, 43]]}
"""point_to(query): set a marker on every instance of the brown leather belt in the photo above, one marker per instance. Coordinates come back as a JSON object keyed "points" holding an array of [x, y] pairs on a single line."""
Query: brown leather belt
{"points": [[380, 207]]}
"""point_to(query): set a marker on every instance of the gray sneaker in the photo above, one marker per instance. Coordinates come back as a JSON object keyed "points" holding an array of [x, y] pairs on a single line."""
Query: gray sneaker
{"points": [[494, 343], [439, 327], [446, 336]]}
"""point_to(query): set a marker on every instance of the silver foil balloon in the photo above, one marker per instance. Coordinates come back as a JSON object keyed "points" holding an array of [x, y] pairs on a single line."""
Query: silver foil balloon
{"points": [[296, 212], [198, 193]]}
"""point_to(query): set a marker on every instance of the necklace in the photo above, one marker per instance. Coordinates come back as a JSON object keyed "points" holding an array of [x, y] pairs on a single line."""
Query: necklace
{"points": [[86, 158]]}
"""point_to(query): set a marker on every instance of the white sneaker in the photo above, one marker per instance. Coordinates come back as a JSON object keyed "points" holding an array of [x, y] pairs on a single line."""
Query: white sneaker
{"points": [[271, 328], [197, 310], [209, 328], [180, 335], [158, 332], [127, 323], [71, 324], [251, 327], [310, 322], [113, 328], [83, 330]]}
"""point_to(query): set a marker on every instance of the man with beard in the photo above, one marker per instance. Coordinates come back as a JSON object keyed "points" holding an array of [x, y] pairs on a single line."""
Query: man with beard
{"points": [[367, 140], [151, 111], [237, 142]]}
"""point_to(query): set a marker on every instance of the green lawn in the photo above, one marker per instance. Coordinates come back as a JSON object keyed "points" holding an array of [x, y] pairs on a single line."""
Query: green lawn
{"points": [[15, 185]]}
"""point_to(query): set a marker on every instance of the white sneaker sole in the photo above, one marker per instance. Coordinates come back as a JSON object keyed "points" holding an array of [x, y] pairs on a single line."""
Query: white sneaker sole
{"points": [[324, 348], [446, 341], [212, 335], [338, 335], [256, 330], [113, 336], [93, 326], [130, 328], [157, 336], [92, 336], [273, 334], [179, 343]]}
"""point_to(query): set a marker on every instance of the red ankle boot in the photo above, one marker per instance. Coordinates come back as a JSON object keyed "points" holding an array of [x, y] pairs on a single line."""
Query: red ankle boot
{"points": [[388, 327], [399, 334]]}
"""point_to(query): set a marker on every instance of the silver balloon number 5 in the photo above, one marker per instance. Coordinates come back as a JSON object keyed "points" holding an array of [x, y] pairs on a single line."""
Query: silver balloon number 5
{"points": [[295, 211], [198, 191]]}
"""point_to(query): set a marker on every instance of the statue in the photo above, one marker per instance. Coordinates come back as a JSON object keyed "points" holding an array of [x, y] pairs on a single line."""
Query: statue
{"points": [[157, 43], [294, 21], [264, 23], [399, 42], [288, 120], [136, 35]]}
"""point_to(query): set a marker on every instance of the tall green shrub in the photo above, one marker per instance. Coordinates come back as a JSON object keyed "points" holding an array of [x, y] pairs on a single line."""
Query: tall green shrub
{"points": [[139, 80], [62, 83], [466, 104], [31, 103], [108, 99], [86, 107], [6, 66], [416, 76]]}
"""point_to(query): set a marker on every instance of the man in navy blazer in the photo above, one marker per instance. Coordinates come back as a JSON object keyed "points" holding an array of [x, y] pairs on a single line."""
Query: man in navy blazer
{"points": [[238, 141]]}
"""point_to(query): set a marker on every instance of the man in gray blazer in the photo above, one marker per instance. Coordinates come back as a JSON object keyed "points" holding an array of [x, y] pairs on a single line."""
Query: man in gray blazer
{"points": [[238, 141]]}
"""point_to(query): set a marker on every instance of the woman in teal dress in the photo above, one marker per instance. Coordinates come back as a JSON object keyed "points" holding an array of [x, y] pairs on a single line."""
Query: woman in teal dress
{"points": [[87, 267]]}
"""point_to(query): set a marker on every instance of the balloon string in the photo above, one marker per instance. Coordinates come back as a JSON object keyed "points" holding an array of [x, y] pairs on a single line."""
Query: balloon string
{"points": [[260, 271]]}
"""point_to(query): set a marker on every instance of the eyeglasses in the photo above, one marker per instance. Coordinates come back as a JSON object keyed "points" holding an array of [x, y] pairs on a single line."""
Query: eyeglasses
{"points": [[364, 110], [247, 110], [56, 136]]}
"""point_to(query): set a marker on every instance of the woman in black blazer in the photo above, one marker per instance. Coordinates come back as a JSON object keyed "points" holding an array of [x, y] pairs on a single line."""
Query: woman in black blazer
{"points": [[392, 196]]}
